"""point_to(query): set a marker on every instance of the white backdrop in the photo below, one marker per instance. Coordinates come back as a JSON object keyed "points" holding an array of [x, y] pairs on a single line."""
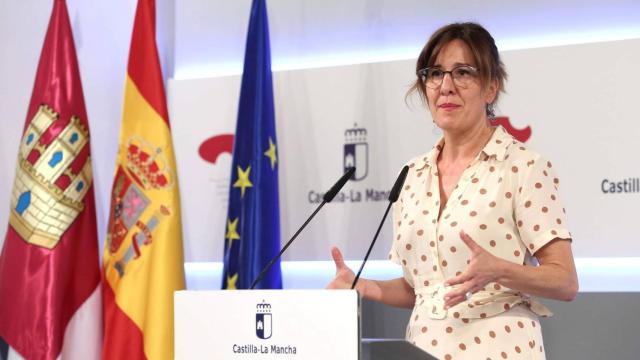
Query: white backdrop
{"points": [[579, 100], [594, 110]]}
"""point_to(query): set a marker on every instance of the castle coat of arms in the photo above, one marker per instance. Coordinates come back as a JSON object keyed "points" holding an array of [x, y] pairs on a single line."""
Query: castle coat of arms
{"points": [[264, 320], [53, 176], [356, 152]]}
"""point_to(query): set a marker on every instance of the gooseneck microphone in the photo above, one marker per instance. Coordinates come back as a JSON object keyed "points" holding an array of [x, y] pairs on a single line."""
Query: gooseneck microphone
{"points": [[393, 197], [326, 198]]}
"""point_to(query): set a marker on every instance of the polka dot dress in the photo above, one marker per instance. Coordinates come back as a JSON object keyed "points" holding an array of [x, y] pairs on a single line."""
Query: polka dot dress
{"points": [[507, 201]]}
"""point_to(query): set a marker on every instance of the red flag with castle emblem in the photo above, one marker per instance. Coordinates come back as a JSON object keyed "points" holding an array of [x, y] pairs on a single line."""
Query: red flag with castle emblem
{"points": [[49, 270]]}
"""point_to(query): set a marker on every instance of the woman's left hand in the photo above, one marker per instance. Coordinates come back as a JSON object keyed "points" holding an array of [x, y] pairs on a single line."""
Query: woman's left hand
{"points": [[483, 268]]}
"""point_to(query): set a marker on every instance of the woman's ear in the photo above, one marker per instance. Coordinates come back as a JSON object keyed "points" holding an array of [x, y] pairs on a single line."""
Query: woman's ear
{"points": [[491, 91]]}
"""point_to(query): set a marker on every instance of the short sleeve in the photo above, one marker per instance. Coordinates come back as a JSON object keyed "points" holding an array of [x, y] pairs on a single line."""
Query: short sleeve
{"points": [[539, 213]]}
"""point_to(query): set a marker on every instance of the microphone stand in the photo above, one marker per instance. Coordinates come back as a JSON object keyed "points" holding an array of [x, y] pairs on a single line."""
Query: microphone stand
{"points": [[328, 196], [393, 197], [270, 264]]}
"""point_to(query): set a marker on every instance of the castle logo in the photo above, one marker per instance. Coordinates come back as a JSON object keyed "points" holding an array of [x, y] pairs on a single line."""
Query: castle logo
{"points": [[133, 221], [356, 152], [53, 176], [264, 320]]}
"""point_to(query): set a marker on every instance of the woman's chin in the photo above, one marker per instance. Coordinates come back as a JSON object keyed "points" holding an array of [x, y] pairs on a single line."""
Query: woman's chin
{"points": [[448, 124]]}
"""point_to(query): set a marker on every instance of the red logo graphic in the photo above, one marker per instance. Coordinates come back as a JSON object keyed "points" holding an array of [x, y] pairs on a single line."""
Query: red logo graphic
{"points": [[213, 147], [521, 135]]}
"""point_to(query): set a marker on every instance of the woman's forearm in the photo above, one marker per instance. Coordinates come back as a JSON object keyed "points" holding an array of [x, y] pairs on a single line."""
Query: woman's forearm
{"points": [[555, 277], [396, 292]]}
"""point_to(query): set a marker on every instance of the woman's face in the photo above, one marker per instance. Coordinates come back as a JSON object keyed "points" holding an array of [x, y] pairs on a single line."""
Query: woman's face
{"points": [[455, 108]]}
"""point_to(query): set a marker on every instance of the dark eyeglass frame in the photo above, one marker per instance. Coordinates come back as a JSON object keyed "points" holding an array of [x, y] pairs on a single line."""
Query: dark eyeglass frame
{"points": [[457, 80]]}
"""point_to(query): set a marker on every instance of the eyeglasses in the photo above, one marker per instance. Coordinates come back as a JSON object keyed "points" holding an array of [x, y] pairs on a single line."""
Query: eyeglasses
{"points": [[462, 76]]}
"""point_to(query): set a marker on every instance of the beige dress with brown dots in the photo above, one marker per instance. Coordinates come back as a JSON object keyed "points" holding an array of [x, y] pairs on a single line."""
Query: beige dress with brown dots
{"points": [[507, 201]]}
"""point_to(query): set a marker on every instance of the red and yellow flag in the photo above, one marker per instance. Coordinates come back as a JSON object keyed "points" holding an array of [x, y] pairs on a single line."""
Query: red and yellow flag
{"points": [[143, 261]]}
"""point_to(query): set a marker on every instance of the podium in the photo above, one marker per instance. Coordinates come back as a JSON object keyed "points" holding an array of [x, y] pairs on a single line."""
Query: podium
{"points": [[277, 324]]}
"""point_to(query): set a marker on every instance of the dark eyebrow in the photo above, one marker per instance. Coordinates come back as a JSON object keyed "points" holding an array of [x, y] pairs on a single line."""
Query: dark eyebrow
{"points": [[454, 65]]}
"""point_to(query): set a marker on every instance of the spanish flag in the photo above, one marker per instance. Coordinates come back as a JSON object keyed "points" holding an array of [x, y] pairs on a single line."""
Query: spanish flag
{"points": [[143, 261]]}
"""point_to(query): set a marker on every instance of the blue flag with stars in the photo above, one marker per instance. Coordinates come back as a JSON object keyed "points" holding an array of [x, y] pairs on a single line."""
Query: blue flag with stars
{"points": [[252, 236]]}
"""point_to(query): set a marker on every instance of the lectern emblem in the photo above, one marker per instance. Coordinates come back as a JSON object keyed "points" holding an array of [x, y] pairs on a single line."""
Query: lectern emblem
{"points": [[263, 320], [356, 152]]}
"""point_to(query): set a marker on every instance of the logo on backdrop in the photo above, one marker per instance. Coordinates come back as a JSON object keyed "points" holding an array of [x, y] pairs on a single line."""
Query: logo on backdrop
{"points": [[356, 152], [521, 135], [264, 320], [215, 146], [210, 151]]}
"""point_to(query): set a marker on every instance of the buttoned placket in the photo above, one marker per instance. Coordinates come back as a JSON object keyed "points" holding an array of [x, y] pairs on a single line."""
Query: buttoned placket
{"points": [[437, 296]]}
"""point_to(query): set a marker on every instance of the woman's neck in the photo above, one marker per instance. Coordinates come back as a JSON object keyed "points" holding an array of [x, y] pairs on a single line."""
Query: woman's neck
{"points": [[467, 144]]}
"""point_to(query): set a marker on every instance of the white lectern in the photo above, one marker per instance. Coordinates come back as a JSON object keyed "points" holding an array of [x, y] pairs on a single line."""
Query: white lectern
{"points": [[277, 324]]}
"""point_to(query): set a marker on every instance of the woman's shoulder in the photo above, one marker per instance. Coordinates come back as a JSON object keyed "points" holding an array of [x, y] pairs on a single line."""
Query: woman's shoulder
{"points": [[519, 161], [523, 164], [519, 153]]}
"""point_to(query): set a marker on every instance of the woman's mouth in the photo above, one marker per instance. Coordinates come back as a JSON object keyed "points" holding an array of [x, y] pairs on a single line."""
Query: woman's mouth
{"points": [[448, 106]]}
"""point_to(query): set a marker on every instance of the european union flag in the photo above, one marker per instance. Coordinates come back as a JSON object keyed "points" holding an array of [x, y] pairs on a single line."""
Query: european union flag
{"points": [[252, 235]]}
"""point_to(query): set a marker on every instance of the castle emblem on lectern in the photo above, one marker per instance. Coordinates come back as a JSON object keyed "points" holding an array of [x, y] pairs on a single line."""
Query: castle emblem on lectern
{"points": [[356, 152], [264, 320], [53, 175], [131, 226]]}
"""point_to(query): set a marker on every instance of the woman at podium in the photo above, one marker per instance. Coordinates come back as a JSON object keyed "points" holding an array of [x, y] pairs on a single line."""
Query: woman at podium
{"points": [[479, 227]]}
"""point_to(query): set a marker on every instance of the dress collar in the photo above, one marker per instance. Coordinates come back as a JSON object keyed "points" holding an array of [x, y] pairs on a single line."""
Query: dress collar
{"points": [[496, 146]]}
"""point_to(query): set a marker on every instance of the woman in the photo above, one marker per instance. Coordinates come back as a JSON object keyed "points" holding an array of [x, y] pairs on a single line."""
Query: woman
{"points": [[478, 226]]}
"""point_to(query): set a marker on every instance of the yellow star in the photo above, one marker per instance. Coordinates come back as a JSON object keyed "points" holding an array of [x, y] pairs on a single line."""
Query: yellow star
{"points": [[271, 153], [231, 282], [243, 181], [232, 233]]}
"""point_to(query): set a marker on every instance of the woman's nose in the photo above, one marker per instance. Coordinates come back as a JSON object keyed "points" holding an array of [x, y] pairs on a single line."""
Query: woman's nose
{"points": [[447, 86]]}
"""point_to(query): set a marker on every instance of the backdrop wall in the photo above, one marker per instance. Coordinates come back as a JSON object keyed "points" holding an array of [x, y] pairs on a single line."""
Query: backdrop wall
{"points": [[578, 99]]}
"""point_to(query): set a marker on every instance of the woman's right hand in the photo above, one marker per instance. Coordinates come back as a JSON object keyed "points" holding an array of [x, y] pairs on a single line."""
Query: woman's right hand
{"points": [[394, 292], [344, 276]]}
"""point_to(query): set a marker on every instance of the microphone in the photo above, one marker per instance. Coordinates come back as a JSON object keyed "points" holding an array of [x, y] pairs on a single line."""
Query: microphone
{"points": [[393, 197], [329, 195], [326, 198]]}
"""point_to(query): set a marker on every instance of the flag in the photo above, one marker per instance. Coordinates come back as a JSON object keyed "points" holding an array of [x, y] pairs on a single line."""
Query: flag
{"points": [[252, 235], [49, 266], [143, 261]]}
